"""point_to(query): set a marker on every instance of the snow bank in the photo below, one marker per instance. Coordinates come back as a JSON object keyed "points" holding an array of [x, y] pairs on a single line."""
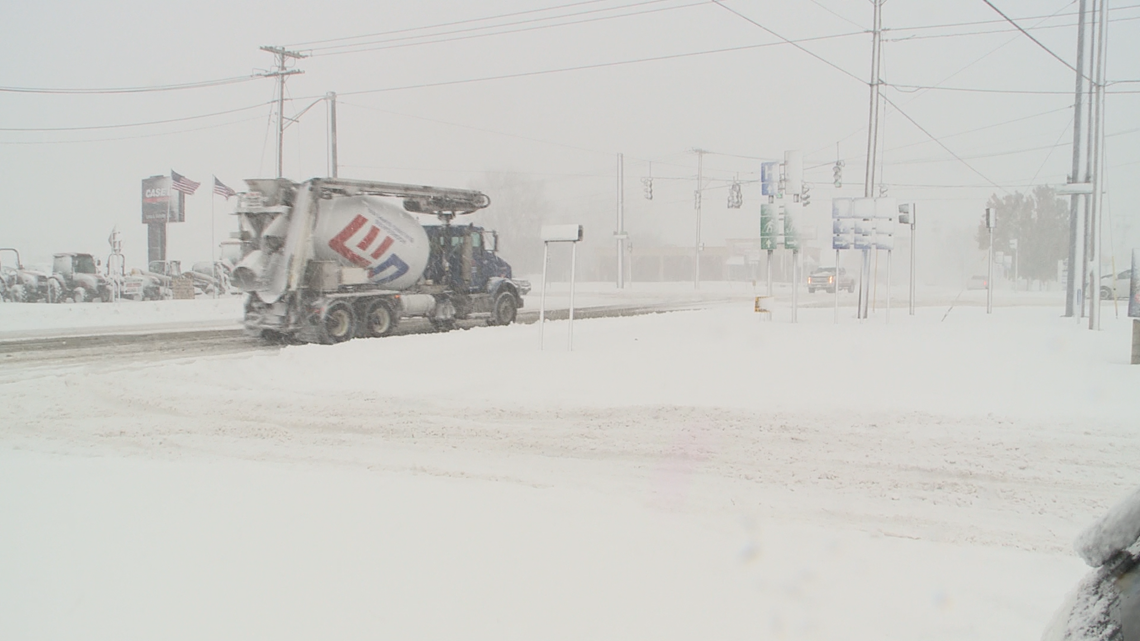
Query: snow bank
{"points": [[1114, 532], [24, 320]]}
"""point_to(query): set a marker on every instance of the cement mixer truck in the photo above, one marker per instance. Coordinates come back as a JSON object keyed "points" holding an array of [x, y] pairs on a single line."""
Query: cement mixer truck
{"points": [[331, 259]]}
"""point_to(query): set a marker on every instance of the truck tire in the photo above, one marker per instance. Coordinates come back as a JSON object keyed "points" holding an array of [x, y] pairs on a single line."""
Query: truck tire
{"points": [[79, 295], [505, 309], [54, 291], [338, 323], [1106, 292], [379, 320], [18, 294]]}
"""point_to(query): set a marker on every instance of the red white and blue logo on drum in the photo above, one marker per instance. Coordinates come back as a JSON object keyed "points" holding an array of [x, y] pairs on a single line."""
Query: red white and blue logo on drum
{"points": [[367, 252]]}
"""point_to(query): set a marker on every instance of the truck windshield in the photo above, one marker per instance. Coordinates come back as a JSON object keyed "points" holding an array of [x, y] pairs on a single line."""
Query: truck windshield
{"points": [[84, 265]]}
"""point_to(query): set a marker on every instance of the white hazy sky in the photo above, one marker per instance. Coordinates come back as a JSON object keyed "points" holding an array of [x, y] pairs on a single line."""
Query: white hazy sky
{"points": [[65, 189]]}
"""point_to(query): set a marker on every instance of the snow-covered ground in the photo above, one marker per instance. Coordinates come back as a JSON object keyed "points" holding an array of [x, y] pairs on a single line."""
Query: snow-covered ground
{"points": [[697, 474], [40, 320]]}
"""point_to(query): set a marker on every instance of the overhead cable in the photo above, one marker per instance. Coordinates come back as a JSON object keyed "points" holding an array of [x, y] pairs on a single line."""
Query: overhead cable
{"points": [[1036, 41], [436, 38], [940, 143], [599, 65], [445, 24], [136, 124], [122, 90], [794, 43]]}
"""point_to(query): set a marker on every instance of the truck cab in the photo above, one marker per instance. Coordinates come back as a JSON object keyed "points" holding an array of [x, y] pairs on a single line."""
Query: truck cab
{"points": [[464, 256], [464, 259]]}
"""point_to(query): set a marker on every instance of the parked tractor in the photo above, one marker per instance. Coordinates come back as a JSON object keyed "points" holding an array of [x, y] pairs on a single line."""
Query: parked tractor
{"points": [[21, 285], [79, 278]]}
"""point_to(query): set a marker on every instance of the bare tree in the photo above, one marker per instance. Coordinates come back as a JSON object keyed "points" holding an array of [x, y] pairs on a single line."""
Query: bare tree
{"points": [[1039, 222], [518, 208]]}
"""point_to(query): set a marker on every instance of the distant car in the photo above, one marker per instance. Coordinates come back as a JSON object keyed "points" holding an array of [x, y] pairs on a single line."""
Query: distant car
{"points": [[825, 278], [1117, 287], [978, 282]]}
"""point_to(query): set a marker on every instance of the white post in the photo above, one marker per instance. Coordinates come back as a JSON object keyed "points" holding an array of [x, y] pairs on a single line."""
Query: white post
{"points": [[795, 283], [837, 287], [990, 222], [620, 221], [697, 242], [213, 244], [542, 299], [573, 262], [768, 273], [913, 207], [333, 163], [888, 287]]}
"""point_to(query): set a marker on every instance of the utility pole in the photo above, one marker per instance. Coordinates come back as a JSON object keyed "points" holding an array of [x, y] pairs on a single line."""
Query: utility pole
{"points": [[1075, 199], [991, 222], [697, 245], [280, 73], [1098, 170], [330, 97], [872, 145], [620, 235]]}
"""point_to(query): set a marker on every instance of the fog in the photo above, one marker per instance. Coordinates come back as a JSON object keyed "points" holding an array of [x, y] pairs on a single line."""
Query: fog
{"points": [[541, 105]]}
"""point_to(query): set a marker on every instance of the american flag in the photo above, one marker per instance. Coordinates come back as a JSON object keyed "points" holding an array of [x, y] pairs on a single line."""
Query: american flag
{"points": [[182, 183], [221, 190]]}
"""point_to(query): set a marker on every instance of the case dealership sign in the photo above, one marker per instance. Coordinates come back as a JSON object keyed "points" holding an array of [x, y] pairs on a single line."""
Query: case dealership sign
{"points": [[158, 205]]}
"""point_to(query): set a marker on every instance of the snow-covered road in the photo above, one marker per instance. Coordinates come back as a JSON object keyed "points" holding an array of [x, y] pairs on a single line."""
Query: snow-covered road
{"points": [[686, 475]]}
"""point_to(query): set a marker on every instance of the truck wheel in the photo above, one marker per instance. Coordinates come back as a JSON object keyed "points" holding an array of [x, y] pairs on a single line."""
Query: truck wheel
{"points": [[338, 323], [379, 320], [18, 294], [1106, 293], [54, 291], [79, 295], [505, 310]]}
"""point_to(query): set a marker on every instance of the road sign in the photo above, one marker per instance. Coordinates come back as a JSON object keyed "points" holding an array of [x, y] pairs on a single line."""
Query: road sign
{"points": [[769, 178], [769, 227]]}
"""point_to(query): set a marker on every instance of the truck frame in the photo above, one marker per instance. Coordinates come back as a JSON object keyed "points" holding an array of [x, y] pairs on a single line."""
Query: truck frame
{"points": [[292, 295]]}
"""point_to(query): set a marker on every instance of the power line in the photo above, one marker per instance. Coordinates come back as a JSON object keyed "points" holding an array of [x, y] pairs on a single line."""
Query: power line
{"points": [[482, 129], [135, 124], [794, 43], [1056, 14], [395, 43], [1054, 148], [446, 24], [1035, 40], [1033, 92], [600, 65], [915, 88], [838, 15], [983, 128], [122, 90], [940, 143], [997, 31], [137, 137]]}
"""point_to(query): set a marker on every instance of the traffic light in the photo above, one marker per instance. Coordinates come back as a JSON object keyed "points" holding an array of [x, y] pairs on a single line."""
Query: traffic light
{"points": [[648, 184], [805, 195], [735, 197], [837, 173]]}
